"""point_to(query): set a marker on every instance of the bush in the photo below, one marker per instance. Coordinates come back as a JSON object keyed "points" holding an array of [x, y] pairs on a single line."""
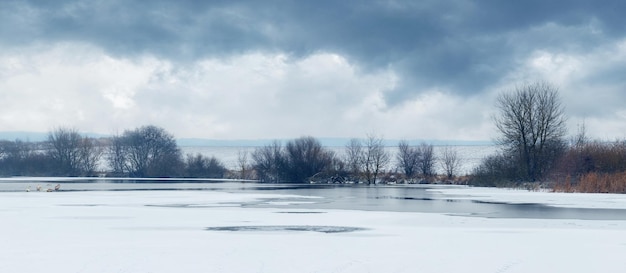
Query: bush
{"points": [[300, 161], [592, 167], [147, 151], [495, 171], [199, 166]]}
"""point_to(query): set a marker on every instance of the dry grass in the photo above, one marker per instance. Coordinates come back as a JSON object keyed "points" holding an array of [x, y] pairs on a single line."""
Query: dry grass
{"points": [[594, 167], [594, 183]]}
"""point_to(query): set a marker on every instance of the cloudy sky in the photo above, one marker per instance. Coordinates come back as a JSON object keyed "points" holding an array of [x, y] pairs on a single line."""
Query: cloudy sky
{"points": [[282, 69]]}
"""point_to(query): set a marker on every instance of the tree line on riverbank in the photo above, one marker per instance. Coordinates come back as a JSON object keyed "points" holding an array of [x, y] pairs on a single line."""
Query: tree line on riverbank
{"points": [[532, 136], [147, 151], [363, 161], [150, 151]]}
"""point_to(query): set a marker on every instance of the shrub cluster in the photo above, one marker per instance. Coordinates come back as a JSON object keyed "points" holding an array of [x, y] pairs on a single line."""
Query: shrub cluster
{"points": [[305, 160], [597, 167], [594, 167], [300, 160], [497, 170], [147, 151]]}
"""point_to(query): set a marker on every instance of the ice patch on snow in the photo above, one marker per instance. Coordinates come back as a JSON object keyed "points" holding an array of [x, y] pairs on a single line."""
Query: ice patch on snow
{"points": [[321, 229]]}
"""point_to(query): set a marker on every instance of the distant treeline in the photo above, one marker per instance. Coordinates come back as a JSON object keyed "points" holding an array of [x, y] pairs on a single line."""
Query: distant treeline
{"points": [[364, 161], [534, 154], [147, 151], [581, 165], [150, 151]]}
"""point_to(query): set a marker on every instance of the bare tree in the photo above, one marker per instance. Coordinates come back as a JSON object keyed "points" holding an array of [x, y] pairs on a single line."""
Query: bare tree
{"points": [[147, 151], [426, 161], [532, 125], [201, 166], [581, 138], [268, 161], [20, 158], [117, 155], [72, 153], [90, 153], [304, 158], [242, 163], [375, 158], [450, 161], [15, 150], [354, 157], [64, 150], [408, 159]]}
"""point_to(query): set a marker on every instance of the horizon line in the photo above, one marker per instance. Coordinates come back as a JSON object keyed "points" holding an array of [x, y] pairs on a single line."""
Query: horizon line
{"points": [[200, 141]]}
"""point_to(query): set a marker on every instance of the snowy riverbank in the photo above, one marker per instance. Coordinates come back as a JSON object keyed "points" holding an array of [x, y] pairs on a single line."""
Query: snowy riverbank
{"points": [[166, 231], [521, 196]]}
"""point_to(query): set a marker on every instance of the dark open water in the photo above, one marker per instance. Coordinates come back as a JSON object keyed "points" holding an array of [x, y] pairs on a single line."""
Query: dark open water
{"points": [[399, 198]]}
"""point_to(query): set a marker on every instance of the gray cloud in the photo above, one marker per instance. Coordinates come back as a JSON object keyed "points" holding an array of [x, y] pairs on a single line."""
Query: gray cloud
{"points": [[433, 37], [465, 48]]}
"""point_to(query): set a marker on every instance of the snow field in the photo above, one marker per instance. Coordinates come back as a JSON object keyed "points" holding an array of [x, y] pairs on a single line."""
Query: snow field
{"points": [[145, 231]]}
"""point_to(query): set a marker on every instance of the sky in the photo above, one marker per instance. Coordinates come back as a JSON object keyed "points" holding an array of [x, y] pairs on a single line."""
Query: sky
{"points": [[427, 69]]}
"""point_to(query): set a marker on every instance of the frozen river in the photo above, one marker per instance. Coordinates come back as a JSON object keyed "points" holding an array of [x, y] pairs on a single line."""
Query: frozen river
{"points": [[199, 226], [396, 198]]}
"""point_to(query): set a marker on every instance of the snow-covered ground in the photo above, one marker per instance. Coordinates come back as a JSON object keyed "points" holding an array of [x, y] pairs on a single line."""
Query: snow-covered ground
{"points": [[166, 231], [520, 196]]}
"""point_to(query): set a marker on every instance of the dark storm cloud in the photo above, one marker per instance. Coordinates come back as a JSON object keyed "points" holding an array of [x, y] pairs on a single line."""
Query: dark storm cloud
{"points": [[460, 45]]}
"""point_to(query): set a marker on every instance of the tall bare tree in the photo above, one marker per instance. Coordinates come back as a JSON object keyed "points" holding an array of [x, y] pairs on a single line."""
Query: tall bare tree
{"points": [[450, 161], [242, 163], [117, 155], [426, 161], [532, 126], [354, 157], [148, 151], [72, 153], [375, 158], [408, 159], [91, 151], [268, 162]]}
